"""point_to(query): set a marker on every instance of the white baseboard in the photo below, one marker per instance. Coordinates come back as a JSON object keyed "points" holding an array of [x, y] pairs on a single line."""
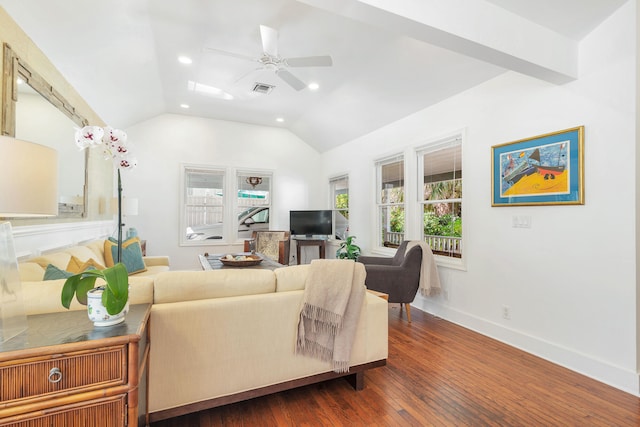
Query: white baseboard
{"points": [[615, 376]]}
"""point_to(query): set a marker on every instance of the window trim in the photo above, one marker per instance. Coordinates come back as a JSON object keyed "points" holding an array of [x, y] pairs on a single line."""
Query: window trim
{"points": [[454, 138], [184, 169], [236, 206], [378, 164], [332, 199]]}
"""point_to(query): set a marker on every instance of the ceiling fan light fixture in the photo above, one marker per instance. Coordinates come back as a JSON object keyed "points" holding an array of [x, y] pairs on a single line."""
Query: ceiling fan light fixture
{"points": [[272, 61]]}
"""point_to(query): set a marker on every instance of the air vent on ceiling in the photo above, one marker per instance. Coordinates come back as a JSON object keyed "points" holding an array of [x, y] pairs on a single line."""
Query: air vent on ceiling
{"points": [[262, 88]]}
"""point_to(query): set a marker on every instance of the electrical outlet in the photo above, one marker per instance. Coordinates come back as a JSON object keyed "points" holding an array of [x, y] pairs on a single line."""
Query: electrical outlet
{"points": [[506, 312]]}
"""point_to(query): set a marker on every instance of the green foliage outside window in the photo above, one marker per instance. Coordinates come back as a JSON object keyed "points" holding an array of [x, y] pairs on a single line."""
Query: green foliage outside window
{"points": [[444, 225], [342, 204], [397, 220]]}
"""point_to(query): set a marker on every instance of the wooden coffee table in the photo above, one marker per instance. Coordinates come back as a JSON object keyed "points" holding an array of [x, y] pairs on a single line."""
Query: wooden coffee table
{"points": [[212, 262]]}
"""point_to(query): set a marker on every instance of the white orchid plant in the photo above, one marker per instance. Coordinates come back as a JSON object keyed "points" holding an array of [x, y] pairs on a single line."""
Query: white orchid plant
{"points": [[116, 291]]}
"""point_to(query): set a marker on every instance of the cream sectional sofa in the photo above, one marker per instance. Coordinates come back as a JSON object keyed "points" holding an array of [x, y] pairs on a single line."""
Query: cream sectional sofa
{"points": [[223, 336]]}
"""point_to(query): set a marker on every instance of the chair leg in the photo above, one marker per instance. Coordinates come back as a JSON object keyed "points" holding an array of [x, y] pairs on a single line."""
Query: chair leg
{"points": [[408, 311]]}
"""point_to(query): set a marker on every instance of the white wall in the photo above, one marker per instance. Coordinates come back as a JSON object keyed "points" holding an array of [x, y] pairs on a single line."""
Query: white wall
{"points": [[161, 144], [569, 280]]}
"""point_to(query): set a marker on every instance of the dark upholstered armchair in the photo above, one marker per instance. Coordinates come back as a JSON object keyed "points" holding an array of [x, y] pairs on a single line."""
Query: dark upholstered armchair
{"points": [[399, 277], [273, 244]]}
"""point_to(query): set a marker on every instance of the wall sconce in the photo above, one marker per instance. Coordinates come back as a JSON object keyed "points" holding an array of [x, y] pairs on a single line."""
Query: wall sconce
{"points": [[254, 180]]}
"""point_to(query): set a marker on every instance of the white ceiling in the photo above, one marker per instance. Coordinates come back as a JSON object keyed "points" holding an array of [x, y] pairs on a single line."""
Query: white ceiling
{"points": [[121, 55]]}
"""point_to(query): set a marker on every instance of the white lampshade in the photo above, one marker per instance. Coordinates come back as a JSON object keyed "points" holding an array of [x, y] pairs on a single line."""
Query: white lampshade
{"points": [[129, 206], [28, 179]]}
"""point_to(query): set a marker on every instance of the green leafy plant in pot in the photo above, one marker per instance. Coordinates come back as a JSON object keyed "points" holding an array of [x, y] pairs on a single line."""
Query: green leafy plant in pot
{"points": [[348, 249], [114, 293]]}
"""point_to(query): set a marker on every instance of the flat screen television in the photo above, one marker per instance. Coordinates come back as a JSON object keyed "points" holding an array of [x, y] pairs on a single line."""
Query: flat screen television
{"points": [[311, 223]]}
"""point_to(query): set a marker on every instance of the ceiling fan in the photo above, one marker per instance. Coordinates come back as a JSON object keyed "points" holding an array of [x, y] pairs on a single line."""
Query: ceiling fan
{"points": [[271, 60]]}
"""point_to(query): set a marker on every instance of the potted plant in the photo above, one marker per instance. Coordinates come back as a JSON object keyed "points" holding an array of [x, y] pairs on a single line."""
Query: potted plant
{"points": [[348, 250], [107, 304]]}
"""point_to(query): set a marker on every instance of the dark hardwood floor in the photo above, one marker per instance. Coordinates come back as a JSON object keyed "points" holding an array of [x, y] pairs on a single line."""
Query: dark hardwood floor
{"points": [[438, 374]]}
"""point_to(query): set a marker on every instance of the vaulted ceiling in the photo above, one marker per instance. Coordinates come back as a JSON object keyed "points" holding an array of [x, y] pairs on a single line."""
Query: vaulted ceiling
{"points": [[390, 58]]}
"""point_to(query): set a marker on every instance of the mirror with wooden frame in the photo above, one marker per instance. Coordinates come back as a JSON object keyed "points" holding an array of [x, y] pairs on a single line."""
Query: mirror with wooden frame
{"points": [[34, 111]]}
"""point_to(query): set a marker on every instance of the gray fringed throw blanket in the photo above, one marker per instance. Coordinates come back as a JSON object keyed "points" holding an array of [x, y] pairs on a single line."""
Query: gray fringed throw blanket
{"points": [[331, 306]]}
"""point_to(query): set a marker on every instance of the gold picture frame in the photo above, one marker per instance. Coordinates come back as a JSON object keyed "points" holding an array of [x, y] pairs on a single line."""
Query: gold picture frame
{"points": [[542, 170]]}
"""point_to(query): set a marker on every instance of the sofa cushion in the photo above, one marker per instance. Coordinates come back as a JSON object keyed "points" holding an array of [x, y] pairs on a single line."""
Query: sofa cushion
{"points": [[174, 286], [59, 259], [82, 253], [44, 297], [131, 254], [97, 247], [77, 266], [153, 270], [54, 273], [30, 271], [291, 278]]}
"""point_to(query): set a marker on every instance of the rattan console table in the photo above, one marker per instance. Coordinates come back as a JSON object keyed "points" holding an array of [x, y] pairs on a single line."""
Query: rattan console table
{"points": [[63, 371]]}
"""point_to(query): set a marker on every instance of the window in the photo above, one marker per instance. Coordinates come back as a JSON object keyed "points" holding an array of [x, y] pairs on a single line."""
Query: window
{"points": [[215, 209], [440, 196], [339, 190], [203, 204], [390, 201], [254, 202]]}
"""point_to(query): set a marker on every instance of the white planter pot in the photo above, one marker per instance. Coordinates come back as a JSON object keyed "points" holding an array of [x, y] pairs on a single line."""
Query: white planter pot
{"points": [[98, 313]]}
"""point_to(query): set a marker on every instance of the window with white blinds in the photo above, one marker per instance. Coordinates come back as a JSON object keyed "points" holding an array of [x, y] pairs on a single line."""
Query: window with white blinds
{"points": [[440, 195], [390, 200], [203, 204], [339, 191]]}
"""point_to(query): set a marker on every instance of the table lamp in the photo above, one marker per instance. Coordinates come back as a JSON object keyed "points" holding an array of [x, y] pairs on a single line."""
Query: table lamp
{"points": [[128, 207], [28, 188]]}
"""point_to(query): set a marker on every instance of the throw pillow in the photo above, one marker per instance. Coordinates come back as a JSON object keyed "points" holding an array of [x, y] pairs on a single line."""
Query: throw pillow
{"points": [[54, 273], [131, 254], [77, 266]]}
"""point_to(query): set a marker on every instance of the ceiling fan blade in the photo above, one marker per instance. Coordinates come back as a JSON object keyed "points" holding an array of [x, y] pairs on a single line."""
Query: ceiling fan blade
{"points": [[291, 80], [244, 75], [269, 40], [231, 54], [309, 61]]}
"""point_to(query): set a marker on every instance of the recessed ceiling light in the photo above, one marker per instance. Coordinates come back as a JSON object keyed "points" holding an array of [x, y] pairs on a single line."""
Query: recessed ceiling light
{"points": [[279, 120], [19, 81], [185, 106], [313, 86], [184, 60]]}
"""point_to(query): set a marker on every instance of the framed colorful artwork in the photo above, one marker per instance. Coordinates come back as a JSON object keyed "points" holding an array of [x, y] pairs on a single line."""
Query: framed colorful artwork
{"points": [[543, 170]]}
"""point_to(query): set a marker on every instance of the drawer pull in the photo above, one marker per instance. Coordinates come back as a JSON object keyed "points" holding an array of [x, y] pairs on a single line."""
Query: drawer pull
{"points": [[55, 375]]}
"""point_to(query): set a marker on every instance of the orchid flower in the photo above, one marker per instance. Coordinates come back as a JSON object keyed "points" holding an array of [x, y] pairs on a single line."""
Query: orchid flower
{"points": [[113, 142]]}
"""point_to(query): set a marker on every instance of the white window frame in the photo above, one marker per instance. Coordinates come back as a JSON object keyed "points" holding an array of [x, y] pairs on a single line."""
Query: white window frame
{"points": [[430, 147], [333, 181], [379, 163], [185, 168], [236, 202]]}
